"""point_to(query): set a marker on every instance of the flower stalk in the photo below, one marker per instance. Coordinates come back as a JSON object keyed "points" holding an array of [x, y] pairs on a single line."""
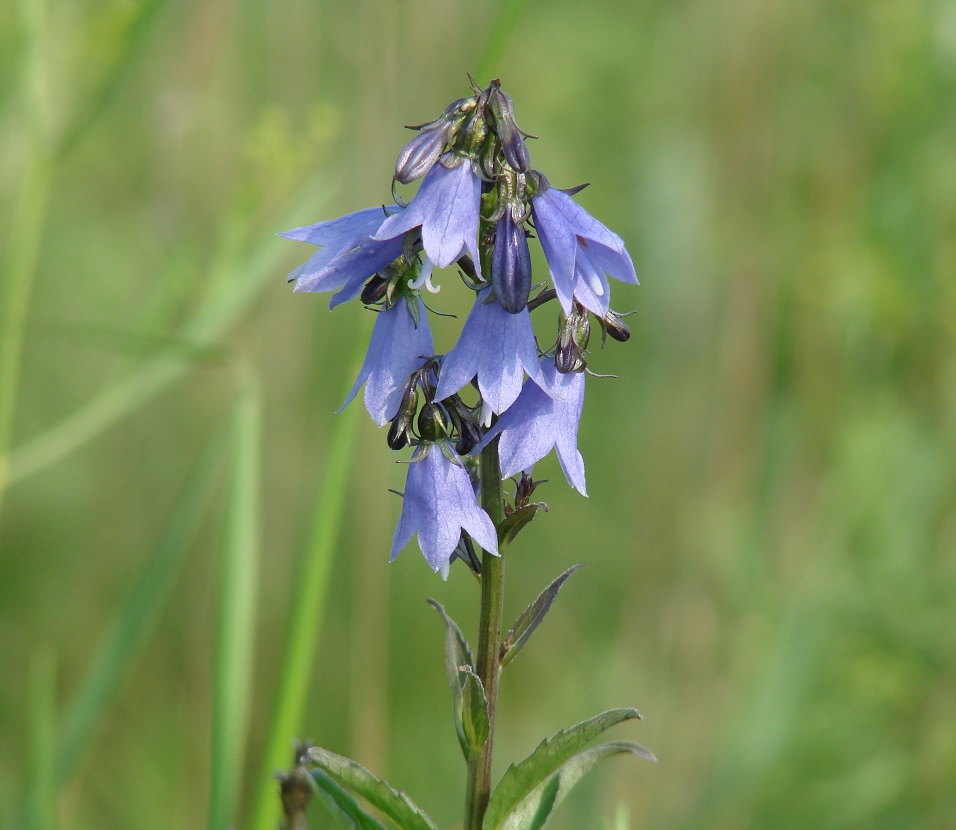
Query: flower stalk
{"points": [[487, 663]]}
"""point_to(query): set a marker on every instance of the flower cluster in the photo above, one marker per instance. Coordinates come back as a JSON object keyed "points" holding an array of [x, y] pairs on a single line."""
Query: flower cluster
{"points": [[478, 203]]}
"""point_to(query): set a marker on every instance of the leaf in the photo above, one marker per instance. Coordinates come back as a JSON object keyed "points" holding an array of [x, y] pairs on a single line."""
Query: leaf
{"points": [[352, 775], [535, 810], [514, 523], [466, 713], [347, 806], [531, 618], [474, 710], [550, 755]]}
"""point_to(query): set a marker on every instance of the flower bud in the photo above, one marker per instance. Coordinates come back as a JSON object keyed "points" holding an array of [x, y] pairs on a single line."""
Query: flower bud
{"points": [[402, 422], [511, 263], [615, 326], [420, 154], [504, 126]]}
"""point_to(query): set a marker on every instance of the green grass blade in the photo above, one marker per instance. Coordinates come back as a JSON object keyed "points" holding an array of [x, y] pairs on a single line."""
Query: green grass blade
{"points": [[135, 622], [41, 806], [250, 274], [307, 607], [232, 672], [504, 25]]}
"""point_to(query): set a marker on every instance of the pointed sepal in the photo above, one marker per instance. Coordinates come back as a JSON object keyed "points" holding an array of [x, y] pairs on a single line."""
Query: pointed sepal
{"points": [[532, 616], [515, 522], [521, 779], [353, 776]]}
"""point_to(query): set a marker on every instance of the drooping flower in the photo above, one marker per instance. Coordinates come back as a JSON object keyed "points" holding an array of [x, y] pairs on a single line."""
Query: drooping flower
{"points": [[538, 422], [581, 252], [498, 347], [446, 208], [399, 346], [439, 502], [348, 257]]}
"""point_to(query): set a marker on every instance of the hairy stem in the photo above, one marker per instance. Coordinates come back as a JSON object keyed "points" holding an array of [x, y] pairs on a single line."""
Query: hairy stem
{"points": [[489, 639]]}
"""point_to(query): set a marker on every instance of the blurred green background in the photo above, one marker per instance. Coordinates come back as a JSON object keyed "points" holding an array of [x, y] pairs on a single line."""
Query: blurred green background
{"points": [[772, 520]]}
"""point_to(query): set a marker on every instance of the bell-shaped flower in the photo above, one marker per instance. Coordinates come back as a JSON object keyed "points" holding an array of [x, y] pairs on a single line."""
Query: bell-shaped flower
{"points": [[439, 503], [399, 345], [498, 347], [348, 257], [581, 252], [446, 208], [538, 423]]}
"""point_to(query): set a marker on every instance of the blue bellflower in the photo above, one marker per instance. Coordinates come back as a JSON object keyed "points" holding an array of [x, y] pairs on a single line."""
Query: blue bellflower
{"points": [[439, 502], [581, 252], [539, 422], [349, 256], [498, 347], [446, 208], [397, 348]]}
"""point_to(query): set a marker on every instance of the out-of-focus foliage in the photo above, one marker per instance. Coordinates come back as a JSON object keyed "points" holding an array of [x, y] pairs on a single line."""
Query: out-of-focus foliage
{"points": [[772, 519]]}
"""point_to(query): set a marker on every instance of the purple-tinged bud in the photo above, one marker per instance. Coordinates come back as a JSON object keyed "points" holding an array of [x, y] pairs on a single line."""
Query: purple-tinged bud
{"points": [[613, 325], [375, 290], [420, 154], [511, 264], [507, 130]]}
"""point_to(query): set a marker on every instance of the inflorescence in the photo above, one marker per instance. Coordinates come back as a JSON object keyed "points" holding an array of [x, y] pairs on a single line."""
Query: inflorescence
{"points": [[477, 206]]}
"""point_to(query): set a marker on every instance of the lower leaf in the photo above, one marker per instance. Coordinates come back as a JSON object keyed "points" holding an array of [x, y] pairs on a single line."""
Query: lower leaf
{"points": [[533, 813], [393, 803]]}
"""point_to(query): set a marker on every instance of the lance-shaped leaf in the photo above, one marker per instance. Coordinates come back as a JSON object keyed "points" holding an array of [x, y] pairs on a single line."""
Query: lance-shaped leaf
{"points": [[531, 617], [533, 813], [551, 754], [353, 776], [469, 705], [514, 524], [342, 805]]}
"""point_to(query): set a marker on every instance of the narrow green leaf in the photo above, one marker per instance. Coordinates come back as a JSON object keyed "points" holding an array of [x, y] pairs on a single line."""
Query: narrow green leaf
{"points": [[474, 710], [457, 654], [343, 804], [393, 803], [232, 670], [550, 755], [534, 812], [530, 618], [516, 522]]}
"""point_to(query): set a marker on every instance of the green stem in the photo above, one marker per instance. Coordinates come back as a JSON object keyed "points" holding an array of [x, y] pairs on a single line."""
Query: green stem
{"points": [[487, 664]]}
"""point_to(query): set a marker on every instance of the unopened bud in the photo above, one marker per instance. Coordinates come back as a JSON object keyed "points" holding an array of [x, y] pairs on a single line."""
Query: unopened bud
{"points": [[615, 326], [420, 154], [431, 425], [511, 263], [402, 422]]}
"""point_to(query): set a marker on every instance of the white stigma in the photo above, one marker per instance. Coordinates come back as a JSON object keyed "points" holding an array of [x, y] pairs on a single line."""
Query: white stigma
{"points": [[425, 279], [486, 413]]}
